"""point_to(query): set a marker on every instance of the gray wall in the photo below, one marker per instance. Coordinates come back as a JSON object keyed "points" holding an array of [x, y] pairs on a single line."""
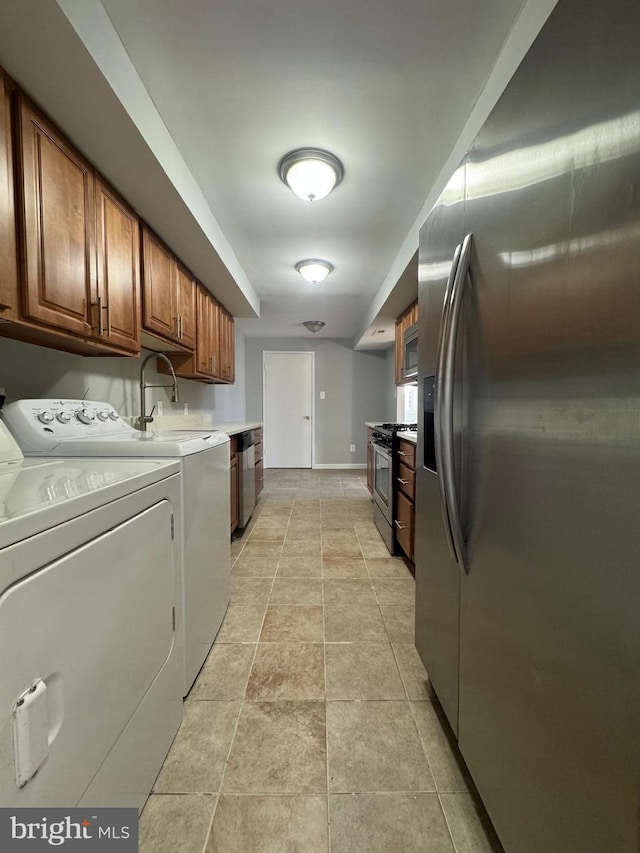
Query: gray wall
{"points": [[31, 371], [356, 388]]}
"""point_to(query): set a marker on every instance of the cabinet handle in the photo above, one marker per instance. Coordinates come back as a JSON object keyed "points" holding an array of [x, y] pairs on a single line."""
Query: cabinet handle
{"points": [[400, 525], [402, 453], [404, 482], [176, 325], [180, 325], [102, 307], [213, 364]]}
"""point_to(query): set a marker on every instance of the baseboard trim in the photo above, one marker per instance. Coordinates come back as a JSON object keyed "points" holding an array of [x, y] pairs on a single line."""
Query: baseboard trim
{"points": [[350, 466]]}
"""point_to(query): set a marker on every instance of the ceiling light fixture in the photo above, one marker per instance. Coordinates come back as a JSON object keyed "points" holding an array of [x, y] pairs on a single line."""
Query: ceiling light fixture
{"points": [[314, 270], [313, 325], [311, 173]]}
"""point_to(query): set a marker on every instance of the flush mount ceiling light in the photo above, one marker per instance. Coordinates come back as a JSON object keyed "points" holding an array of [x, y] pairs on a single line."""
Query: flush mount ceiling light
{"points": [[311, 173], [313, 325], [313, 270]]}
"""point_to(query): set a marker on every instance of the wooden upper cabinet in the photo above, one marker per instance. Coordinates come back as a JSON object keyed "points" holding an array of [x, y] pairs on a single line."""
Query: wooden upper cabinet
{"points": [[57, 191], [79, 243], [227, 346], [160, 273], [117, 302], [169, 295], [8, 255], [206, 334], [186, 308]]}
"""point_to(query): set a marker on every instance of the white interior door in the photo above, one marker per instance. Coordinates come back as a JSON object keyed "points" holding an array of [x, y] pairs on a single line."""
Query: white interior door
{"points": [[288, 409]]}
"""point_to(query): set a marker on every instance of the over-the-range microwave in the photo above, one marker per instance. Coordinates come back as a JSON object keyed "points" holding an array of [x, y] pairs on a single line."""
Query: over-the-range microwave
{"points": [[410, 361]]}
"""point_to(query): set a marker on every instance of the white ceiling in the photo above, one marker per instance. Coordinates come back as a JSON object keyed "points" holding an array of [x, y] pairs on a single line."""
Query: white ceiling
{"points": [[187, 107]]}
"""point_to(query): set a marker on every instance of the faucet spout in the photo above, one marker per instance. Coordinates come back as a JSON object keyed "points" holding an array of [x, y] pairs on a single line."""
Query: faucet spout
{"points": [[145, 419]]}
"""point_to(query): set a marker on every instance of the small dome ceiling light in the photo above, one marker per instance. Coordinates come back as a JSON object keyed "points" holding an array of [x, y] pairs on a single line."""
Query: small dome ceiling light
{"points": [[313, 325], [311, 173], [314, 270]]}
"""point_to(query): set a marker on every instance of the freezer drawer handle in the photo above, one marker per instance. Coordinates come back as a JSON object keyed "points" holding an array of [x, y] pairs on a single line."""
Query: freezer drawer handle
{"points": [[446, 365]]}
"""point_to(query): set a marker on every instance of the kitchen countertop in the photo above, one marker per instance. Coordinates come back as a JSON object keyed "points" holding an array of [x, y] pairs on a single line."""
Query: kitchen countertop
{"points": [[200, 420], [235, 428]]}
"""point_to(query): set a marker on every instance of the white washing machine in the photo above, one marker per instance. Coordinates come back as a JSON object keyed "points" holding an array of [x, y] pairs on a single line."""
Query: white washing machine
{"points": [[90, 672], [85, 428]]}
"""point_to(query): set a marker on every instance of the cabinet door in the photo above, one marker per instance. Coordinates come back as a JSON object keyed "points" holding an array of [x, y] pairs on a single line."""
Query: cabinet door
{"points": [[404, 524], [8, 257], [231, 349], [160, 270], [215, 340], [186, 308], [259, 477], [57, 194], [222, 343], [204, 336], [227, 346], [117, 307]]}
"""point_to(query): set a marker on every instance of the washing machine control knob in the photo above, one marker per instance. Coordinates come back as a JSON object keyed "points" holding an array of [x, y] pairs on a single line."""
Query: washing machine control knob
{"points": [[45, 417], [63, 417], [103, 415], [86, 416], [114, 416]]}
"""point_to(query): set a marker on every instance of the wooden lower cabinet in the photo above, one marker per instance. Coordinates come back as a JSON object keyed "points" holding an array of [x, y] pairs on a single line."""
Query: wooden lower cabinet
{"points": [[259, 462], [405, 491], [405, 519], [234, 496]]}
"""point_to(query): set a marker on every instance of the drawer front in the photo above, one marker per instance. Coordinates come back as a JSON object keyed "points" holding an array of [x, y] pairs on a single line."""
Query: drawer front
{"points": [[404, 524], [258, 434], [407, 453], [258, 451], [406, 480]]}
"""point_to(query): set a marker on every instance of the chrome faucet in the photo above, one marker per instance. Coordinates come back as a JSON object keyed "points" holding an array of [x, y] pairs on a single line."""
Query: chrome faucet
{"points": [[145, 419]]}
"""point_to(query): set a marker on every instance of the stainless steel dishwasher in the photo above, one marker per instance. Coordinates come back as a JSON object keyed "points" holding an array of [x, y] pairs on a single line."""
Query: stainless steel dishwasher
{"points": [[247, 478]]}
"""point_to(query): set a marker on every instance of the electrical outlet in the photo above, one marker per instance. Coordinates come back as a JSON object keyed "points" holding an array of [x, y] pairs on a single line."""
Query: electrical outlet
{"points": [[322, 395], [353, 448]]}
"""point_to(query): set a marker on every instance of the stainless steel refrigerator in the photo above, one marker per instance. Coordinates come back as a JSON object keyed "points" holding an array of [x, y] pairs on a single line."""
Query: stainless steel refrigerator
{"points": [[528, 480]]}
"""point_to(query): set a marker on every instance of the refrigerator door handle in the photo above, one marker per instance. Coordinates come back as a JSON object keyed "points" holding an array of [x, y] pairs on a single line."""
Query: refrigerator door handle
{"points": [[448, 472], [439, 401]]}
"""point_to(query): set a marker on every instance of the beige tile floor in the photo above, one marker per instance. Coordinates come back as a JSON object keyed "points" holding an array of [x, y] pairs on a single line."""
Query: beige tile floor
{"points": [[312, 726]]}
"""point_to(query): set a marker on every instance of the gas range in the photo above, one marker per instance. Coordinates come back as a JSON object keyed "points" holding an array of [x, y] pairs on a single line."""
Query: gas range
{"points": [[384, 434]]}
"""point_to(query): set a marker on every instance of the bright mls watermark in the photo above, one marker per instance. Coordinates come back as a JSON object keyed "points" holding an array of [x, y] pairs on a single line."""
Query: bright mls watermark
{"points": [[27, 830]]}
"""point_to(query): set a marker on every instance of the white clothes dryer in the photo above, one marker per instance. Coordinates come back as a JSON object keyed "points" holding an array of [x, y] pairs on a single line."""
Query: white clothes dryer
{"points": [[94, 429], [90, 686]]}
